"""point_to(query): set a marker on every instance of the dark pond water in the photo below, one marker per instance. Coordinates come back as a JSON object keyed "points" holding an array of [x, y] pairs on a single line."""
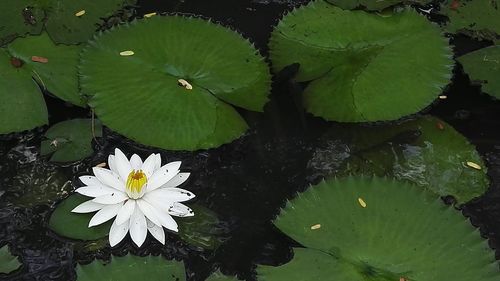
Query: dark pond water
{"points": [[245, 182]]}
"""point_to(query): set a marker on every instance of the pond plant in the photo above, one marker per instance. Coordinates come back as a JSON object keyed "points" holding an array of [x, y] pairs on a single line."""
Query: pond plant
{"points": [[393, 177]]}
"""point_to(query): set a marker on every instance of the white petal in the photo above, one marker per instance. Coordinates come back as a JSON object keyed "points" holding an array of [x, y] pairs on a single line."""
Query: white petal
{"points": [[113, 198], [177, 180], [148, 211], [180, 210], [170, 195], [138, 228], [148, 166], [118, 232], [125, 212], [157, 231], [111, 163], [168, 222], [122, 165], [158, 162], [95, 190], [105, 214], [109, 178], [136, 162], [163, 175], [90, 180], [87, 207]]}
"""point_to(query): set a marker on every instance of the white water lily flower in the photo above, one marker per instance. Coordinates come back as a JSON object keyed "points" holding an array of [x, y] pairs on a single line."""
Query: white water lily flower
{"points": [[141, 195]]}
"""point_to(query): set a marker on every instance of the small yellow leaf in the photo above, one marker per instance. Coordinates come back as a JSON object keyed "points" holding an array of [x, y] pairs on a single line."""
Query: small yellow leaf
{"points": [[443, 97], [126, 53], [316, 226], [80, 13], [149, 15], [185, 84], [362, 202], [473, 165]]}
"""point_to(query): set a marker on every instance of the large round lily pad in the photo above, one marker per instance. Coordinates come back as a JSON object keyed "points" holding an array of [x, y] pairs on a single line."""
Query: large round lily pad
{"points": [[70, 140], [478, 18], [483, 67], [362, 66], [132, 268], [66, 21], [74, 225], [425, 151], [58, 74], [132, 76], [22, 107], [378, 229]]}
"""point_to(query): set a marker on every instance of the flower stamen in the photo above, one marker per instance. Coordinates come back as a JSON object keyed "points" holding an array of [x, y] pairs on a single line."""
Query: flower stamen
{"points": [[135, 183]]}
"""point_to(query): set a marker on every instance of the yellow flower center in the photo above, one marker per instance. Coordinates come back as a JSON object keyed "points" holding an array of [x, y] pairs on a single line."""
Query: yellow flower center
{"points": [[136, 181]]}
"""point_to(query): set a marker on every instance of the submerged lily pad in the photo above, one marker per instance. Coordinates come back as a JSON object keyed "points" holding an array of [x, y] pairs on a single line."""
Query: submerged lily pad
{"points": [[132, 268], [66, 21], [478, 18], [373, 5], [349, 57], [202, 229], [70, 140], [73, 225], [139, 93], [8, 262], [426, 151], [483, 67], [22, 107], [59, 74], [218, 276], [400, 232]]}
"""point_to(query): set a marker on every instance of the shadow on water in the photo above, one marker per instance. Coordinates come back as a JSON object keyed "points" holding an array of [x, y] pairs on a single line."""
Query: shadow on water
{"points": [[245, 182]]}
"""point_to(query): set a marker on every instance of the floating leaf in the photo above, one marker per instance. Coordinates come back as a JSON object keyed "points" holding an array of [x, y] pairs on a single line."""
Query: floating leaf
{"points": [[426, 151], [70, 140], [73, 225], [373, 5], [361, 66], [8, 262], [478, 18], [218, 276], [59, 74], [483, 66], [21, 17], [404, 232], [219, 64], [132, 268], [201, 229], [22, 107]]}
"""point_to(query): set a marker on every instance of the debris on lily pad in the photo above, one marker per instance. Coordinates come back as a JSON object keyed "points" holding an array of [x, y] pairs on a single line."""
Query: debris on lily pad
{"points": [[70, 140]]}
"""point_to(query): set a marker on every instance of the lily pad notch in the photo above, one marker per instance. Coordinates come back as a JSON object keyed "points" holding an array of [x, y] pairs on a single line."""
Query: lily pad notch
{"points": [[362, 67], [168, 81]]}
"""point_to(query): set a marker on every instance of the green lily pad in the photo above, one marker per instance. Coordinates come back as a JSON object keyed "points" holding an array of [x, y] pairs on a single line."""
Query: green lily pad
{"points": [[73, 225], [349, 56], [425, 151], [21, 17], [220, 65], [59, 74], [402, 232], [22, 107], [132, 268], [483, 67], [218, 276], [70, 140], [478, 18], [8, 262], [202, 229], [373, 5]]}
